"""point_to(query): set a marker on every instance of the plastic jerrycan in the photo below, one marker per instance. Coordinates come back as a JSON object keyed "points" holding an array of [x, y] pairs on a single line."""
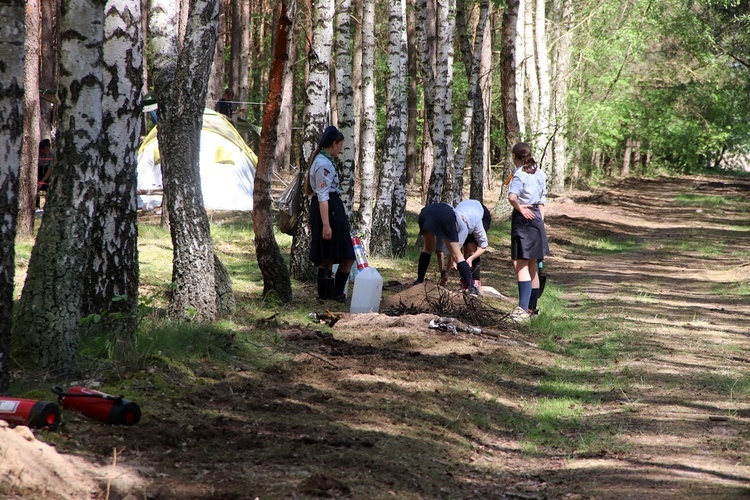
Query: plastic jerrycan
{"points": [[368, 288]]}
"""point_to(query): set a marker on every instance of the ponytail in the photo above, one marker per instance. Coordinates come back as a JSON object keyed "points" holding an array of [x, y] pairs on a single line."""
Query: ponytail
{"points": [[522, 151]]}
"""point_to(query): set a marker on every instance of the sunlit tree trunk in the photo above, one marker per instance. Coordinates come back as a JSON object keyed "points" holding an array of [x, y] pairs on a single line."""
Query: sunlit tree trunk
{"points": [[542, 65], [11, 137], [532, 81], [50, 308], [426, 49], [270, 261], [367, 137], [520, 61], [181, 85], [356, 20], [111, 281], [316, 119], [345, 102], [480, 169], [284, 134], [441, 180], [508, 73], [412, 160], [27, 186], [394, 154], [559, 111]]}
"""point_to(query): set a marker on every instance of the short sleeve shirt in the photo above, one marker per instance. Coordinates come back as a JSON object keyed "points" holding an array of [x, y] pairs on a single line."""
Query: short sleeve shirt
{"points": [[471, 213], [323, 177], [531, 189]]}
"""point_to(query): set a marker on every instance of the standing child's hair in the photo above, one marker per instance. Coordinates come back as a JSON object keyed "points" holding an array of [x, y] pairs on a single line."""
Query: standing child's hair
{"points": [[522, 151], [330, 135]]}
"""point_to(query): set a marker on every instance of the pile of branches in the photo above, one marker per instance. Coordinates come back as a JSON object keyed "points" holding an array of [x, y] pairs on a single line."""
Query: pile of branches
{"points": [[468, 309]]}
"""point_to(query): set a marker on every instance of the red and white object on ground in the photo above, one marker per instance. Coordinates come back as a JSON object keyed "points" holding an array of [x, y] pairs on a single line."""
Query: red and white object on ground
{"points": [[100, 406], [359, 253], [30, 412]]}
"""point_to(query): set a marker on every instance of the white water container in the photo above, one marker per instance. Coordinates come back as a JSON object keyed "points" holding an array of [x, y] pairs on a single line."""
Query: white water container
{"points": [[368, 288]]}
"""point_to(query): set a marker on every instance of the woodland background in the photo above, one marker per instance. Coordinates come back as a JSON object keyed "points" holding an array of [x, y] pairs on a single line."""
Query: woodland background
{"points": [[426, 92]]}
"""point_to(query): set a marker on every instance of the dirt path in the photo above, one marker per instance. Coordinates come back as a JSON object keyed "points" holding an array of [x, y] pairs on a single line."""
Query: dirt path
{"points": [[690, 331], [657, 300]]}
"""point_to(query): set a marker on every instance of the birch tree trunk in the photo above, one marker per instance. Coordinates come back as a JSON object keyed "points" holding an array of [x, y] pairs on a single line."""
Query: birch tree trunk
{"points": [[542, 65], [111, 281], [239, 74], [441, 181], [394, 155], [481, 172], [508, 75], [520, 60], [181, 84], [532, 81], [412, 160], [270, 261], [27, 187], [49, 312], [11, 137], [472, 60], [316, 118], [367, 138], [426, 47], [345, 102], [216, 80], [357, 15], [559, 110], [284, 133]]}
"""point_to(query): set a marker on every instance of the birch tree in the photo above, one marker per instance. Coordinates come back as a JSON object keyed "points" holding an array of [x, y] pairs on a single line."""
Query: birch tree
{"points": [[561, 75], [316, 119], [394, 154], [345, 101], [111, 282], [181, 79], [27, 187], [520, 64], [542, 66], [426, 48], [11, 136], [368, 123], [472, 61], [480, 157], [272, 266], [530, 67], [49, 312], [441, 181]]}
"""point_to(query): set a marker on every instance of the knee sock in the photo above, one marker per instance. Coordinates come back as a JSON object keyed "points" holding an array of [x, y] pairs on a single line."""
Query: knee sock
{"points": [[534, 298], [465, 271], [476, 272], [322, 273], [524, 294], [340, 283], [424, 263]]}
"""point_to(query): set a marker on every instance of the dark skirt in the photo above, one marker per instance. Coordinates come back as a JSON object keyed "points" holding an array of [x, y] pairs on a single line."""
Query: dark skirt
{"points": [[440, 220], [528, 238], [339, 247]]}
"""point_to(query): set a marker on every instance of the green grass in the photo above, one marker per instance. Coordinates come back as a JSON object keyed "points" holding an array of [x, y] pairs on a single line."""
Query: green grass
{"points": [[706, 200]]}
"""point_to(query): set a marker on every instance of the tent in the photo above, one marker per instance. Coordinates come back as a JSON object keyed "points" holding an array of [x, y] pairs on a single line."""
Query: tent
{"points": [[227, 167]]}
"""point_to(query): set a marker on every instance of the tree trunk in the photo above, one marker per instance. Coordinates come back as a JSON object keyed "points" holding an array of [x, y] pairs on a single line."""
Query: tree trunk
{"points": [[626, 157], [508, 77], [50, 307], [441, 182], [542, 65], [367, 137], [181, 86], [562, 65], [270, 261], [111, 282], [240, 49], [391, 172], [532, 81], [520, 64], [27, 186], [284, 134], [345, 102], [49, 67], [11, 138], [481, 172], [317, 116], [357, 14], [216, 80], [427, 53], [412, 160]]}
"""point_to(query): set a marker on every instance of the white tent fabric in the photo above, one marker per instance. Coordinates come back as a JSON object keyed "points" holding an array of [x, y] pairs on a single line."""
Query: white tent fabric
{"points": [[227, 167]]}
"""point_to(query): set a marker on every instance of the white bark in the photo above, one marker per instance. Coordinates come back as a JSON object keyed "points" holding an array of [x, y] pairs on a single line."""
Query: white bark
{"points": [[50, 308], [11, 136], [345, 102], [426, 48], [559, 111], [532, 82], [441, 183], [520, 55], [394, 155], [542, 64], [367, 137]]}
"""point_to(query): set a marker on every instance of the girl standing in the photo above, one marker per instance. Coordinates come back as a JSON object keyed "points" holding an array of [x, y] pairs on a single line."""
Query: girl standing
{"points": [[527, 194], [329, 224]]}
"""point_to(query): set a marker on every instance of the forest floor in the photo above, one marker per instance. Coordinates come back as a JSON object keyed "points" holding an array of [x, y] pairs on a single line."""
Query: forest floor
{"points": [[646, 397]]}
